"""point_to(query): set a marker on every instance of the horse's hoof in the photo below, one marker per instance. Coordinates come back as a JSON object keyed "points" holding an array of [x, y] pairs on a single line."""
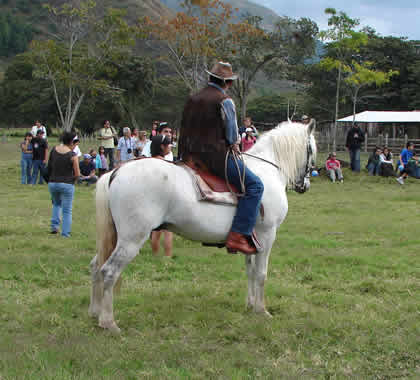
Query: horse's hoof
{"points": [[110, 326], [93, 312], [232, 251]]}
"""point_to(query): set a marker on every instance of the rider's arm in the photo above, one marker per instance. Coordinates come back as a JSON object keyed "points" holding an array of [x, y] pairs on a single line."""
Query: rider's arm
{"points": [[229, 113]]}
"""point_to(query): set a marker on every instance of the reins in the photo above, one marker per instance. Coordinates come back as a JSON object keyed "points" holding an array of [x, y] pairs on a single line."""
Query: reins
{"points": [[236, 157], [262, 159]]}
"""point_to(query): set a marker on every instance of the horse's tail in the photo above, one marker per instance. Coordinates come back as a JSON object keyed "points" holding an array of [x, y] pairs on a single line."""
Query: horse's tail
{"points": [[106, 233]]}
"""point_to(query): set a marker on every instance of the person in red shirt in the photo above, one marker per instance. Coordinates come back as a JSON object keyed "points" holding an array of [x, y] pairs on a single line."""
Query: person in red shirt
{"points": [[333, 167], [248, 140]]}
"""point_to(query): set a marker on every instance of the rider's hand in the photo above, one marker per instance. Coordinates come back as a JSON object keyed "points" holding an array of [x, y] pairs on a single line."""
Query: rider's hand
{"points": [[235, 148]]}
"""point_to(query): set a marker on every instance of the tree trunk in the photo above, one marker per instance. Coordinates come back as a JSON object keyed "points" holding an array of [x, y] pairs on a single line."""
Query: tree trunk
{"points": [[337, 97]]}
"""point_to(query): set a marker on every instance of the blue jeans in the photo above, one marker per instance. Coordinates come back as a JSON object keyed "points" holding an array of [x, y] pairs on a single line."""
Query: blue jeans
{"points": [[355, 160], [373, 168], [248, 205], [37, 165], [26, 165], [62, 201]]}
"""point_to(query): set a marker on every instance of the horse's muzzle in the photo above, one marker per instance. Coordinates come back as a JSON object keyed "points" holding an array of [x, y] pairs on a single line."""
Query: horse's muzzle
{"points": [[304, 186]]}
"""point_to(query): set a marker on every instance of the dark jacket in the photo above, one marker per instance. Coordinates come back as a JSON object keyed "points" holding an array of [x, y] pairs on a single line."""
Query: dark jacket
{"points": [[202, 133], [355, 137]]}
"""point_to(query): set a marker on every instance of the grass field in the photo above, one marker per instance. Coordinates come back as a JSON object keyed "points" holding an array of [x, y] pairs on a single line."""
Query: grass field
{"points": [[343, 287]]}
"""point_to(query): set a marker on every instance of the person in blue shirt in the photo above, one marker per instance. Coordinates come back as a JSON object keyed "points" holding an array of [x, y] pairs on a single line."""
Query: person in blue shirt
{"points": [[405, 156], [209, 134]]}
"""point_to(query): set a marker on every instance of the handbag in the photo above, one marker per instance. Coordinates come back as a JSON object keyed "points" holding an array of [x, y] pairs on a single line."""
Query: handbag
{"points": [[114, 137]]}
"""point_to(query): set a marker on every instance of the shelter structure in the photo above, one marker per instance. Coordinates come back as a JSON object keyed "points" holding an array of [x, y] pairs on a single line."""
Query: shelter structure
{"points": [[395, 124]]}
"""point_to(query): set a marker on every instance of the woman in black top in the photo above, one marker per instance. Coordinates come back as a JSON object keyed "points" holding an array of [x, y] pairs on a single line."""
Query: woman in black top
{"points": [[63, 171]]}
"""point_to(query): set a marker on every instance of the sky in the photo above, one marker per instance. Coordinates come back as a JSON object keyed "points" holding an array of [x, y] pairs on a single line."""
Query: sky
{"points": [[399, 18]]}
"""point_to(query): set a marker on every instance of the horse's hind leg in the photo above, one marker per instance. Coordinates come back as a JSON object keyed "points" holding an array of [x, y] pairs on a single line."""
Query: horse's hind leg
{"points": [[250, 270], [97, 289], [260, 275], [124, 252]]}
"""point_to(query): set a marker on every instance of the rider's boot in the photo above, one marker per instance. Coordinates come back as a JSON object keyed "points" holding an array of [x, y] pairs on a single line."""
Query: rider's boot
{"points": [[238, 242]]}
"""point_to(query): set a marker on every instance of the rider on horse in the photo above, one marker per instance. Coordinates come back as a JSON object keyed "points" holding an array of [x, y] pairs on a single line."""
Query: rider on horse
{"points": [[208, 133]]}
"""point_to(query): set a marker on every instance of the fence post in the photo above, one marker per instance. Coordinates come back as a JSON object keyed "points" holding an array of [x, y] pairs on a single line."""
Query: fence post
{"points": [[386, 139], [405, 140], [366, 144]]}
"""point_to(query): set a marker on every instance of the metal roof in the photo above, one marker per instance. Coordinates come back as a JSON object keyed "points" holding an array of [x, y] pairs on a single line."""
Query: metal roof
{"points": [[384, 117]]}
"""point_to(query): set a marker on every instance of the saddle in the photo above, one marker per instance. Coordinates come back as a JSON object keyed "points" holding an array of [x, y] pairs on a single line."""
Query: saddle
{"points": [[208, 186]]}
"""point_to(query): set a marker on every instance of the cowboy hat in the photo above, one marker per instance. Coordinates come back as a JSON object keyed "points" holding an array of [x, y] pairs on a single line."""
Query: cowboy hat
{"points": [[223, 71]]}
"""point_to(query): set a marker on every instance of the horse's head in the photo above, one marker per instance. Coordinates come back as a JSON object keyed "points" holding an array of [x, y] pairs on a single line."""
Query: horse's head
{"points": [[303, 182], [291, 146]]}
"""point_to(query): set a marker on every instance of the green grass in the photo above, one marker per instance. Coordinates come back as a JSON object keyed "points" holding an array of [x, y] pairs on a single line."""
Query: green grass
{"points": [[343, 287]]}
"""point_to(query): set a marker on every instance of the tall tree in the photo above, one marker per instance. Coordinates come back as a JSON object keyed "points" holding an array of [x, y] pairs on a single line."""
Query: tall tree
{"points": [[87, 42], [345, 42], [192, 38]]}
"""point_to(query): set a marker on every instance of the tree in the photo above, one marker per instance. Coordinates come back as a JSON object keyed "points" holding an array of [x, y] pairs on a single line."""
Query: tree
{"points": [[87, 43], [25, 98], [192, 38], [360, 75], [344, 41]]}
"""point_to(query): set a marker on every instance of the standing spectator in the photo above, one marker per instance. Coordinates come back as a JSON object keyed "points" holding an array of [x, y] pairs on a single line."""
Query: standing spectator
{"points": [[154, 132], [405, 156], [161, 148], [386, 165], [166, 130], [333, 167], [106, 136], [248, 141], [248, 124], [76, 148], [126, 146], [305, 119], [104, 163], [374, 162], [135, 137], [355, 137], [63, 170], [37, 126], [87, 170], [141, 143], [39, 156], [26, 159]]}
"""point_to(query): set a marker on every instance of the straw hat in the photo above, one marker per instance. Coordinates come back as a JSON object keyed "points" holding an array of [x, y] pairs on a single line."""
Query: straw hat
{"points": [[223, 71]]}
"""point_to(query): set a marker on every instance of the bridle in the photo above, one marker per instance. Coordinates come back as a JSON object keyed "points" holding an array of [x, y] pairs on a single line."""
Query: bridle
{"points": [[300, 186]]}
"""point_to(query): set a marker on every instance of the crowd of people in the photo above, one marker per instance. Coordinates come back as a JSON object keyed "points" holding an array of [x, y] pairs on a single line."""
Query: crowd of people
{"points": [[380, 163]]}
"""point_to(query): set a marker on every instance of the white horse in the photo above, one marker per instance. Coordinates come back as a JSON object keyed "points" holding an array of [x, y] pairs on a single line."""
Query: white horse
{"points": [[146, 194]]}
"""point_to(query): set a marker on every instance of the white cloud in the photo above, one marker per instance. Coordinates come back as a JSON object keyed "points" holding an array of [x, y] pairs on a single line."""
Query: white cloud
{"points": [[387, 17]]}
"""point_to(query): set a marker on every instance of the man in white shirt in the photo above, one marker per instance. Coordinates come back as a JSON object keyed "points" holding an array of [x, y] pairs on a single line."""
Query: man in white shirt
{"points": [[163, 129], [106, 137], [126, 146], [37, 126]]}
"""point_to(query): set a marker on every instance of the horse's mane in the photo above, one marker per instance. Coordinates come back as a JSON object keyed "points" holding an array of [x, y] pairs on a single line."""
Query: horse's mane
{"points": [[288, 141]]}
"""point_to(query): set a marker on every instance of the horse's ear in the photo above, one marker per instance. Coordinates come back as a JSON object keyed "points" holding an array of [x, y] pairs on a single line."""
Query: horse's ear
{"points": [[311, 126]]}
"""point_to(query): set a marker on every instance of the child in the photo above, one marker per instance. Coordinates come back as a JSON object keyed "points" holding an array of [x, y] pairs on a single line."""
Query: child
{"points": [[333, 167], [104, 163]]}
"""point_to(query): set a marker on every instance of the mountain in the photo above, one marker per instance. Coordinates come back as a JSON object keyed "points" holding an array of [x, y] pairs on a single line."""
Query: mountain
{"points": [[24, 20], [244, 7]]}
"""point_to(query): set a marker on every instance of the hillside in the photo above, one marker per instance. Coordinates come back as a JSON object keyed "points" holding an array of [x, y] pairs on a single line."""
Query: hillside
{"points": [[23, 20], [244, 6]]}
